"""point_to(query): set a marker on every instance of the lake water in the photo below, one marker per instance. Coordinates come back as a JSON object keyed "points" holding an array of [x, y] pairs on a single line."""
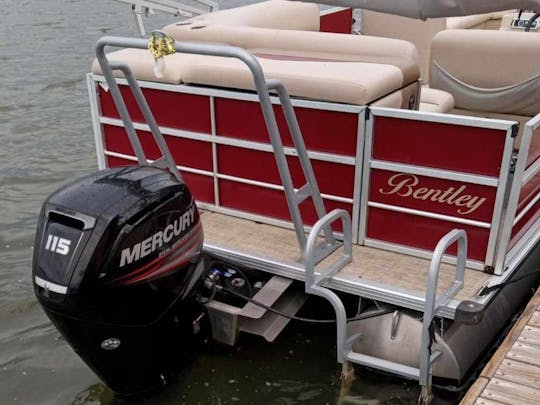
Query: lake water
{"points": [[46, 47]]}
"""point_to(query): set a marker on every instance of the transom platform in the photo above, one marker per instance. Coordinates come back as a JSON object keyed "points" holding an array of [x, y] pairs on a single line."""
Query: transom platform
{"points": [[377, 274]]}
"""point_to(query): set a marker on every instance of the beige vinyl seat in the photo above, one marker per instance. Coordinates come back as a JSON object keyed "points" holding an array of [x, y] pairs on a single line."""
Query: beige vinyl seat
{"points": [[279, 14], [436, 101], [420, 33], [323, 66], [320, 66], [497, 73]]}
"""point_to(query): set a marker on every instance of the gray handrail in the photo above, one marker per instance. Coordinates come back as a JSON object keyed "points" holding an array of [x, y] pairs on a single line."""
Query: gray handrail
{"points": [[312, 282], [261, 85], [149, 117], [298, 140], [433, 303], [143, 7]]}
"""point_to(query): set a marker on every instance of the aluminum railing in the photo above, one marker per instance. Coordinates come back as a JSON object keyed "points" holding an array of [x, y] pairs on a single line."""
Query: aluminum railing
{"points": [[142, 8], [294, 197]]}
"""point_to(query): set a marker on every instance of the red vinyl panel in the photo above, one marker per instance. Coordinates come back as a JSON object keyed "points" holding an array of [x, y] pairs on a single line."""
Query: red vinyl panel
{"points": [[340, 22], [444, 146], [322, 130], [333, 178], [186, 152], [268, 202], [421, 232], [202, 187], [175, 110], [457, 199]]}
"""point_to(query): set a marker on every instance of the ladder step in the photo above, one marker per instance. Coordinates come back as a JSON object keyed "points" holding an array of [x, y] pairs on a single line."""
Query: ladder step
{"points": [[267, 295], [303, 193], [384, 365], [270, 325]]}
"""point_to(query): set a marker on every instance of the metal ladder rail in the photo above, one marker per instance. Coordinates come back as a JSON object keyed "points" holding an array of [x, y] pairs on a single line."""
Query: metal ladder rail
{"points": [[294, 198], [312, 281], [433, 302], [166, 161], [311, 188]]}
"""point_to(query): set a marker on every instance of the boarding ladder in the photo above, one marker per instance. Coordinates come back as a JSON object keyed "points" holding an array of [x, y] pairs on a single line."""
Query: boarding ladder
{"points": [[315, 279], [142, 8], [263, 86]]}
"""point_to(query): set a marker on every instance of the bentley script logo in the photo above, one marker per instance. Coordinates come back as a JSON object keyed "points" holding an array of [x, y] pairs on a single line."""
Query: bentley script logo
{"points": [[406, 185]]}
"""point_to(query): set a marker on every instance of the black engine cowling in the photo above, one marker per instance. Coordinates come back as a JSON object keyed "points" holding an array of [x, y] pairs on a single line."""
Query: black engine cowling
{"points": [[117, 262]]}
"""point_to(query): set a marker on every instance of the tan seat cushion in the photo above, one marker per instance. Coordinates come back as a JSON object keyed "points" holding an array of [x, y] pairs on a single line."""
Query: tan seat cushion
{"points": [[432, 100], [485, 70], [469, 21], [315, 45], [344, 82], [279, 14], [304, 75], [322, 66]]}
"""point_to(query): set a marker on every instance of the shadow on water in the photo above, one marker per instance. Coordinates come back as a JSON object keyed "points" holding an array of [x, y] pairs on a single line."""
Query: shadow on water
{"points": [[299, 368]]}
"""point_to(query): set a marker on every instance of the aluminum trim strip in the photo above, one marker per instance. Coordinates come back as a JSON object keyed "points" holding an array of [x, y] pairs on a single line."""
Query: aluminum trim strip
{"points": [[357, 188], [501, 201], [437, 173], [534, 122], [214, 150], [232, 178], [236, 95], [222, 140], [442, 118], [513, 199], [366, 178], [183, 168], [427, 214], [48, 285]]}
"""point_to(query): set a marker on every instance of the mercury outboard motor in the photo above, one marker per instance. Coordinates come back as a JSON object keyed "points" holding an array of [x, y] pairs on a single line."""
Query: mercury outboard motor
{"points": [[117, 264]]}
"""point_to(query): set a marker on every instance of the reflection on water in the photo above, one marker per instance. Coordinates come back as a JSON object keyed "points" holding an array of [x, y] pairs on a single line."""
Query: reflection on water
{"points": [[46, 138]]}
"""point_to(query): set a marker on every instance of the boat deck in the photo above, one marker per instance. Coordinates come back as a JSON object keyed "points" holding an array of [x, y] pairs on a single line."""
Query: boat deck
{"points": [[513, 374], [374, 273]]}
